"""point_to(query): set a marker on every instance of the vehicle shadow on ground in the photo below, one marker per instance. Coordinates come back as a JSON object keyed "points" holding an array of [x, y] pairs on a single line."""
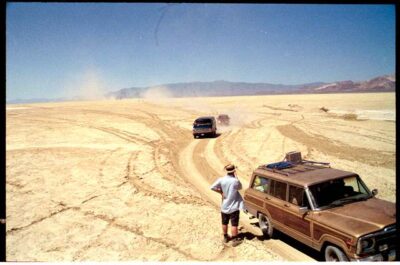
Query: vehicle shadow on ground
{"points": [[298, 245], [216, 136], [250, 236], [312, 253]]}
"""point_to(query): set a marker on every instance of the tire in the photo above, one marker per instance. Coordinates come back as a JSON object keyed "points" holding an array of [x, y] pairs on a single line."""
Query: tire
{"points": [[265, 225], [333, 253]]}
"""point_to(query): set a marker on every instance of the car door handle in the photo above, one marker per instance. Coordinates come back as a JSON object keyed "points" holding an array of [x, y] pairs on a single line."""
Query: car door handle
{"points": [[287, 205], [267, 198]]}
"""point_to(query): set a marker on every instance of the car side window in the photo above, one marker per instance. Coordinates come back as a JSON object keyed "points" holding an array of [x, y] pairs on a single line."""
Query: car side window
{"points": [[297, 196], [278, 189], [261, 184]]}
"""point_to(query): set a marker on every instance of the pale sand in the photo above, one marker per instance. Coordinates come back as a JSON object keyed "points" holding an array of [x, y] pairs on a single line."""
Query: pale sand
{"points": [[126, 181]]}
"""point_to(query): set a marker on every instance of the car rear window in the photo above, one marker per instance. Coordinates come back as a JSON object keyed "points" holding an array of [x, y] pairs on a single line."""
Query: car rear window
{"points": [[202, 121], [202, 126]]}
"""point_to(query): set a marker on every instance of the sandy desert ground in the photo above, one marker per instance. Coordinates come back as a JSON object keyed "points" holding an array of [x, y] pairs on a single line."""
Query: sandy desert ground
{"points": [[125, 180]]}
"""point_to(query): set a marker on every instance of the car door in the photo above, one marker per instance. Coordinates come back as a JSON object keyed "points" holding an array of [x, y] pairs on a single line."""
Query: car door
{"points": [[274, 203], [298, 224]]}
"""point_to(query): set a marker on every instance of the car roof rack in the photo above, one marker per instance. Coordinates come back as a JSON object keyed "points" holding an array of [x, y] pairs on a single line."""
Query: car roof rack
{"points": [[315, 162], [292, 164]]}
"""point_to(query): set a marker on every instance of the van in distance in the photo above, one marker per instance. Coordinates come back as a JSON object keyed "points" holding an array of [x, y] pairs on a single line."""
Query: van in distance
{"points": [[205, 126]]}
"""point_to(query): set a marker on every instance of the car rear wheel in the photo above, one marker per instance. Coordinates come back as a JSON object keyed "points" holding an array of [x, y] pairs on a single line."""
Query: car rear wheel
{"points": [[265, 225], [333, 253]]}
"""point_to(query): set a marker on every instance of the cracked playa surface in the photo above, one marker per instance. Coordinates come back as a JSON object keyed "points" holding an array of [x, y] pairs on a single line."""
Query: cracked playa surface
{"points": [[126, 181]]}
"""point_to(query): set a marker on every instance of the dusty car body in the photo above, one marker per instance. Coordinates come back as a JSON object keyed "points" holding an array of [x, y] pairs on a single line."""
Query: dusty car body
{"points": [[223, 119], [330, 210], [204, 126]]}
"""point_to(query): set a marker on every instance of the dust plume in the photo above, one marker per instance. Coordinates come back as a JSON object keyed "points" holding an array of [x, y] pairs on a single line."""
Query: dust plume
{"points": [[89, 86], [239, 115], [157, 94]]}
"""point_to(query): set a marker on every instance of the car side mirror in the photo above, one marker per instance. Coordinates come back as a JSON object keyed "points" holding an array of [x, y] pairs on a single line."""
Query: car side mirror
{"points": [[303, 210], [374, 192]]}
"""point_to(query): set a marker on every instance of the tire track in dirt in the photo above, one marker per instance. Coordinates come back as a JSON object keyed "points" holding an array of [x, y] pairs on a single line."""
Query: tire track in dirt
{"points": [[281, 109], [264, 142], [195, 177], [202, 165], [103, 163], [163, 129], [113, 222], [219, 144], [158, 126], [155, 145], [218, 150], [125, 135], [325, 145], [255, 124], [148, 190], [41, 219], [352, 131], [129, 137], [228, 144], [214, 162]]}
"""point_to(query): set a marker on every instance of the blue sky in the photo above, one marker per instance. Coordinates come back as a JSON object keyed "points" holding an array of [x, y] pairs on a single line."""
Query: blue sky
{"points": [[56, 49]]}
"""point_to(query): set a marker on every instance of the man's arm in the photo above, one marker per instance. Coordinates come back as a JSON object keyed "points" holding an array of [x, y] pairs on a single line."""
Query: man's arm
{"points": [[238, 185], [217, 187]]}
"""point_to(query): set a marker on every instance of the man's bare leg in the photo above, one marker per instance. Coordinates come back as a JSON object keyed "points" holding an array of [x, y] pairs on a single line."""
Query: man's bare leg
{"points": [[225, 229], [226, 236], [236, 240], [234, 230]]}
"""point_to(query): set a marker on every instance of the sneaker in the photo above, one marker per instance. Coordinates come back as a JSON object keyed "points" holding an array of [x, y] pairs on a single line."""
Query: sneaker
{"points": [[236, 242], [226, 239]]}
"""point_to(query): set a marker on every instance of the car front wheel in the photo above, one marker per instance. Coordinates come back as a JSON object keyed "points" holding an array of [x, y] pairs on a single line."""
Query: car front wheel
{"points": [[265, 225], [333, 253]]}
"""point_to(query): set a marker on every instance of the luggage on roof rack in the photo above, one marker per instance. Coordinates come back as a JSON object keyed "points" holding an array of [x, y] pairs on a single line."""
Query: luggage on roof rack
{"points": [[294, 157], [280, 165]]}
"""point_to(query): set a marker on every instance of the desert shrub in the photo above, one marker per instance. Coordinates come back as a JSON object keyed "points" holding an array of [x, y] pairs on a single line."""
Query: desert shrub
{"points": [[324, 109]]}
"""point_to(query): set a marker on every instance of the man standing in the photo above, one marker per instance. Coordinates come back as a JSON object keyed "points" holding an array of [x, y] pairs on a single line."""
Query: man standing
{"points": [[232, 202]]}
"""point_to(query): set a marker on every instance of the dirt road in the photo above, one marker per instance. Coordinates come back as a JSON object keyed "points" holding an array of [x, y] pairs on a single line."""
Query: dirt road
{"points": [[125, 180]]}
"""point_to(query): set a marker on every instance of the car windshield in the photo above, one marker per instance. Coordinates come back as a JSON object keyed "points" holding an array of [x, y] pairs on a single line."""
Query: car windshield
{"points": [[338, 192], [202, 125]]}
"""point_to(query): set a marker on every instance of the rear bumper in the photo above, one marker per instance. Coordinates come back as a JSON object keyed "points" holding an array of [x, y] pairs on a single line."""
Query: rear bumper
{"points": [[202, 132]]}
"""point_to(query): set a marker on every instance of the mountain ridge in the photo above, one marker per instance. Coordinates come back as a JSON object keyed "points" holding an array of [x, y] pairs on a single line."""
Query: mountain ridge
{"points": [[383, 83]]}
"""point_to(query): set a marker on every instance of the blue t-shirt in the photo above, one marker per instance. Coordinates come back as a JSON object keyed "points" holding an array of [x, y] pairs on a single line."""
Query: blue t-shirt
{"points": [[230, 186]]}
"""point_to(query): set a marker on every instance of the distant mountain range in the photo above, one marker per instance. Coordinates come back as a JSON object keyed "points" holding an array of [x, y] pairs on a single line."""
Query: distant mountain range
{"points": [[385, 83]]}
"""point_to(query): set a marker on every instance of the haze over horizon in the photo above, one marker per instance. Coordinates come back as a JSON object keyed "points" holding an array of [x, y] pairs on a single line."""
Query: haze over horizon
{"points": [[67, 49]]}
